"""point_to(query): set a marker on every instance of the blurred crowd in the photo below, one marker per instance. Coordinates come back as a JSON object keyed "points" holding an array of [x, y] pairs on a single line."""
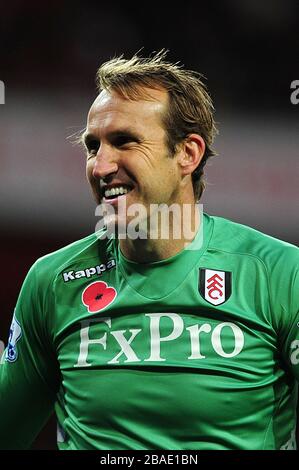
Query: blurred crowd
{"points": [[49, 54], [248, 49]]}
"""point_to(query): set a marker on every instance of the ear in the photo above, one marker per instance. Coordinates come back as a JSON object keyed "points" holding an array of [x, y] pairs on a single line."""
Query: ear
{"points": [[192, 151]]}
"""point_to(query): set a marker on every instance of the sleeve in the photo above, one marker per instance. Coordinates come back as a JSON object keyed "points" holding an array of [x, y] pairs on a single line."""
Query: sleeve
{"points": [[287, 303], [28, 368]]}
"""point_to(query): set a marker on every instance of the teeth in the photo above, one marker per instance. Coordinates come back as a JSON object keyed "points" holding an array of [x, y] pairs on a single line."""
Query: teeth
{"points": [[116, 191]]}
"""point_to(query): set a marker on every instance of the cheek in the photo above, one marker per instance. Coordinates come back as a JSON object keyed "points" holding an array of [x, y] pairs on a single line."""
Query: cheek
{"points": [[169, 172]]}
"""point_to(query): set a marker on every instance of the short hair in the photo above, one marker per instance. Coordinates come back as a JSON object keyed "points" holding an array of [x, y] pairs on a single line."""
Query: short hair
{"points": [[190, 108]]}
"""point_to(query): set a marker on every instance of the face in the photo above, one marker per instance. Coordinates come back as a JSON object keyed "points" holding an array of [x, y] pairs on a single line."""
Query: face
{"points": [[127, 155]]}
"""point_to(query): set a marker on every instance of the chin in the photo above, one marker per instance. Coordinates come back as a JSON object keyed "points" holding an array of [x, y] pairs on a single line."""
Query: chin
{"points": [[115, 226]]}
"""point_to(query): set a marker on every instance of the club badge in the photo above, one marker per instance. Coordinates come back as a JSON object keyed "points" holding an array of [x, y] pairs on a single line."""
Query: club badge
{"points": [[214, 286]]}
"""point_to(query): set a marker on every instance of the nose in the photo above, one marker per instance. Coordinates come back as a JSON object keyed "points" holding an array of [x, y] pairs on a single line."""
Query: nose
{"points": [[105, 163]]}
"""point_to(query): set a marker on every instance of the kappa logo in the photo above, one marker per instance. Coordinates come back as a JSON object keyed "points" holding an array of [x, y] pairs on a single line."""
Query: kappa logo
{"points": [[15, 334], [214, 286], [89, 272], [97, 296]]}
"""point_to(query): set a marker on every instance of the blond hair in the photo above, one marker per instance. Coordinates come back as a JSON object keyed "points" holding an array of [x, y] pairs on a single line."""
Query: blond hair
{"points": [[190, 108]]}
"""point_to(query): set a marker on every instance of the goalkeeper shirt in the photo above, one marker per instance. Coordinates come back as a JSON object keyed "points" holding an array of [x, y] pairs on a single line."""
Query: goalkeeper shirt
{"points": [[198, 351]]}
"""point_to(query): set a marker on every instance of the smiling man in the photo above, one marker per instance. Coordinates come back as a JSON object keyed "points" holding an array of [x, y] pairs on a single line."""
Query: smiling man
{"points": [[130, 158], [155, 342]]}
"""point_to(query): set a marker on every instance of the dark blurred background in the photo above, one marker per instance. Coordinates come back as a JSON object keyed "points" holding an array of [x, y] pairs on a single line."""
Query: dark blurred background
{"points": [[49, 52]]}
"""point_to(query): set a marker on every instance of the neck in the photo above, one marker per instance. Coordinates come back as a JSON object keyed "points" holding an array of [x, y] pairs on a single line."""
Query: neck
{"points": [[162, 235]]}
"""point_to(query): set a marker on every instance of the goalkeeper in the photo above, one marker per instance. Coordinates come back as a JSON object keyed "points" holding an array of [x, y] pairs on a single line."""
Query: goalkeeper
{"points": [[155, 341]]}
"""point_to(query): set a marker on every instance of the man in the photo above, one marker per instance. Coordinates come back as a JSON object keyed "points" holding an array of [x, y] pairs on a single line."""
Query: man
{"points": [[155, 342]]}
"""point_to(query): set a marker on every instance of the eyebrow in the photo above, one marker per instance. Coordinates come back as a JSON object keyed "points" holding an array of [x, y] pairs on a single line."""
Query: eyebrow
{"points": [[125, 132]]}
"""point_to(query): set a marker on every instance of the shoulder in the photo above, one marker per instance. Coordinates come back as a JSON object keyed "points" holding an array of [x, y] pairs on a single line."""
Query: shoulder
{"points": [[93, 246], [236, 238]]}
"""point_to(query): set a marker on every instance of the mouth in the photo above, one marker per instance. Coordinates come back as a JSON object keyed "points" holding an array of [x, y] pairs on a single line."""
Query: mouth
{"points": [[112, 193]]}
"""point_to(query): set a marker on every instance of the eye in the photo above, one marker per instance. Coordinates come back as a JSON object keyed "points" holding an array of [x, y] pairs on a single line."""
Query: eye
{"points": [[92, 147], [122, 140]]}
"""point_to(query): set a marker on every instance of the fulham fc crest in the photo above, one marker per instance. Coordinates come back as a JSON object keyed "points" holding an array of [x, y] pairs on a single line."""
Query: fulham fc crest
{"points": [[214, 286]]}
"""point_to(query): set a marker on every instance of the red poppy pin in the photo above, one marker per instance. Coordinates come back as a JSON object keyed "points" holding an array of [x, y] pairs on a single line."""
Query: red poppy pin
{"points": [[97, 296]]}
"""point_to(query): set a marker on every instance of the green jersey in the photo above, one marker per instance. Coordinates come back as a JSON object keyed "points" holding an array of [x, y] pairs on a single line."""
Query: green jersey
{"points": [[198, 351]]}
